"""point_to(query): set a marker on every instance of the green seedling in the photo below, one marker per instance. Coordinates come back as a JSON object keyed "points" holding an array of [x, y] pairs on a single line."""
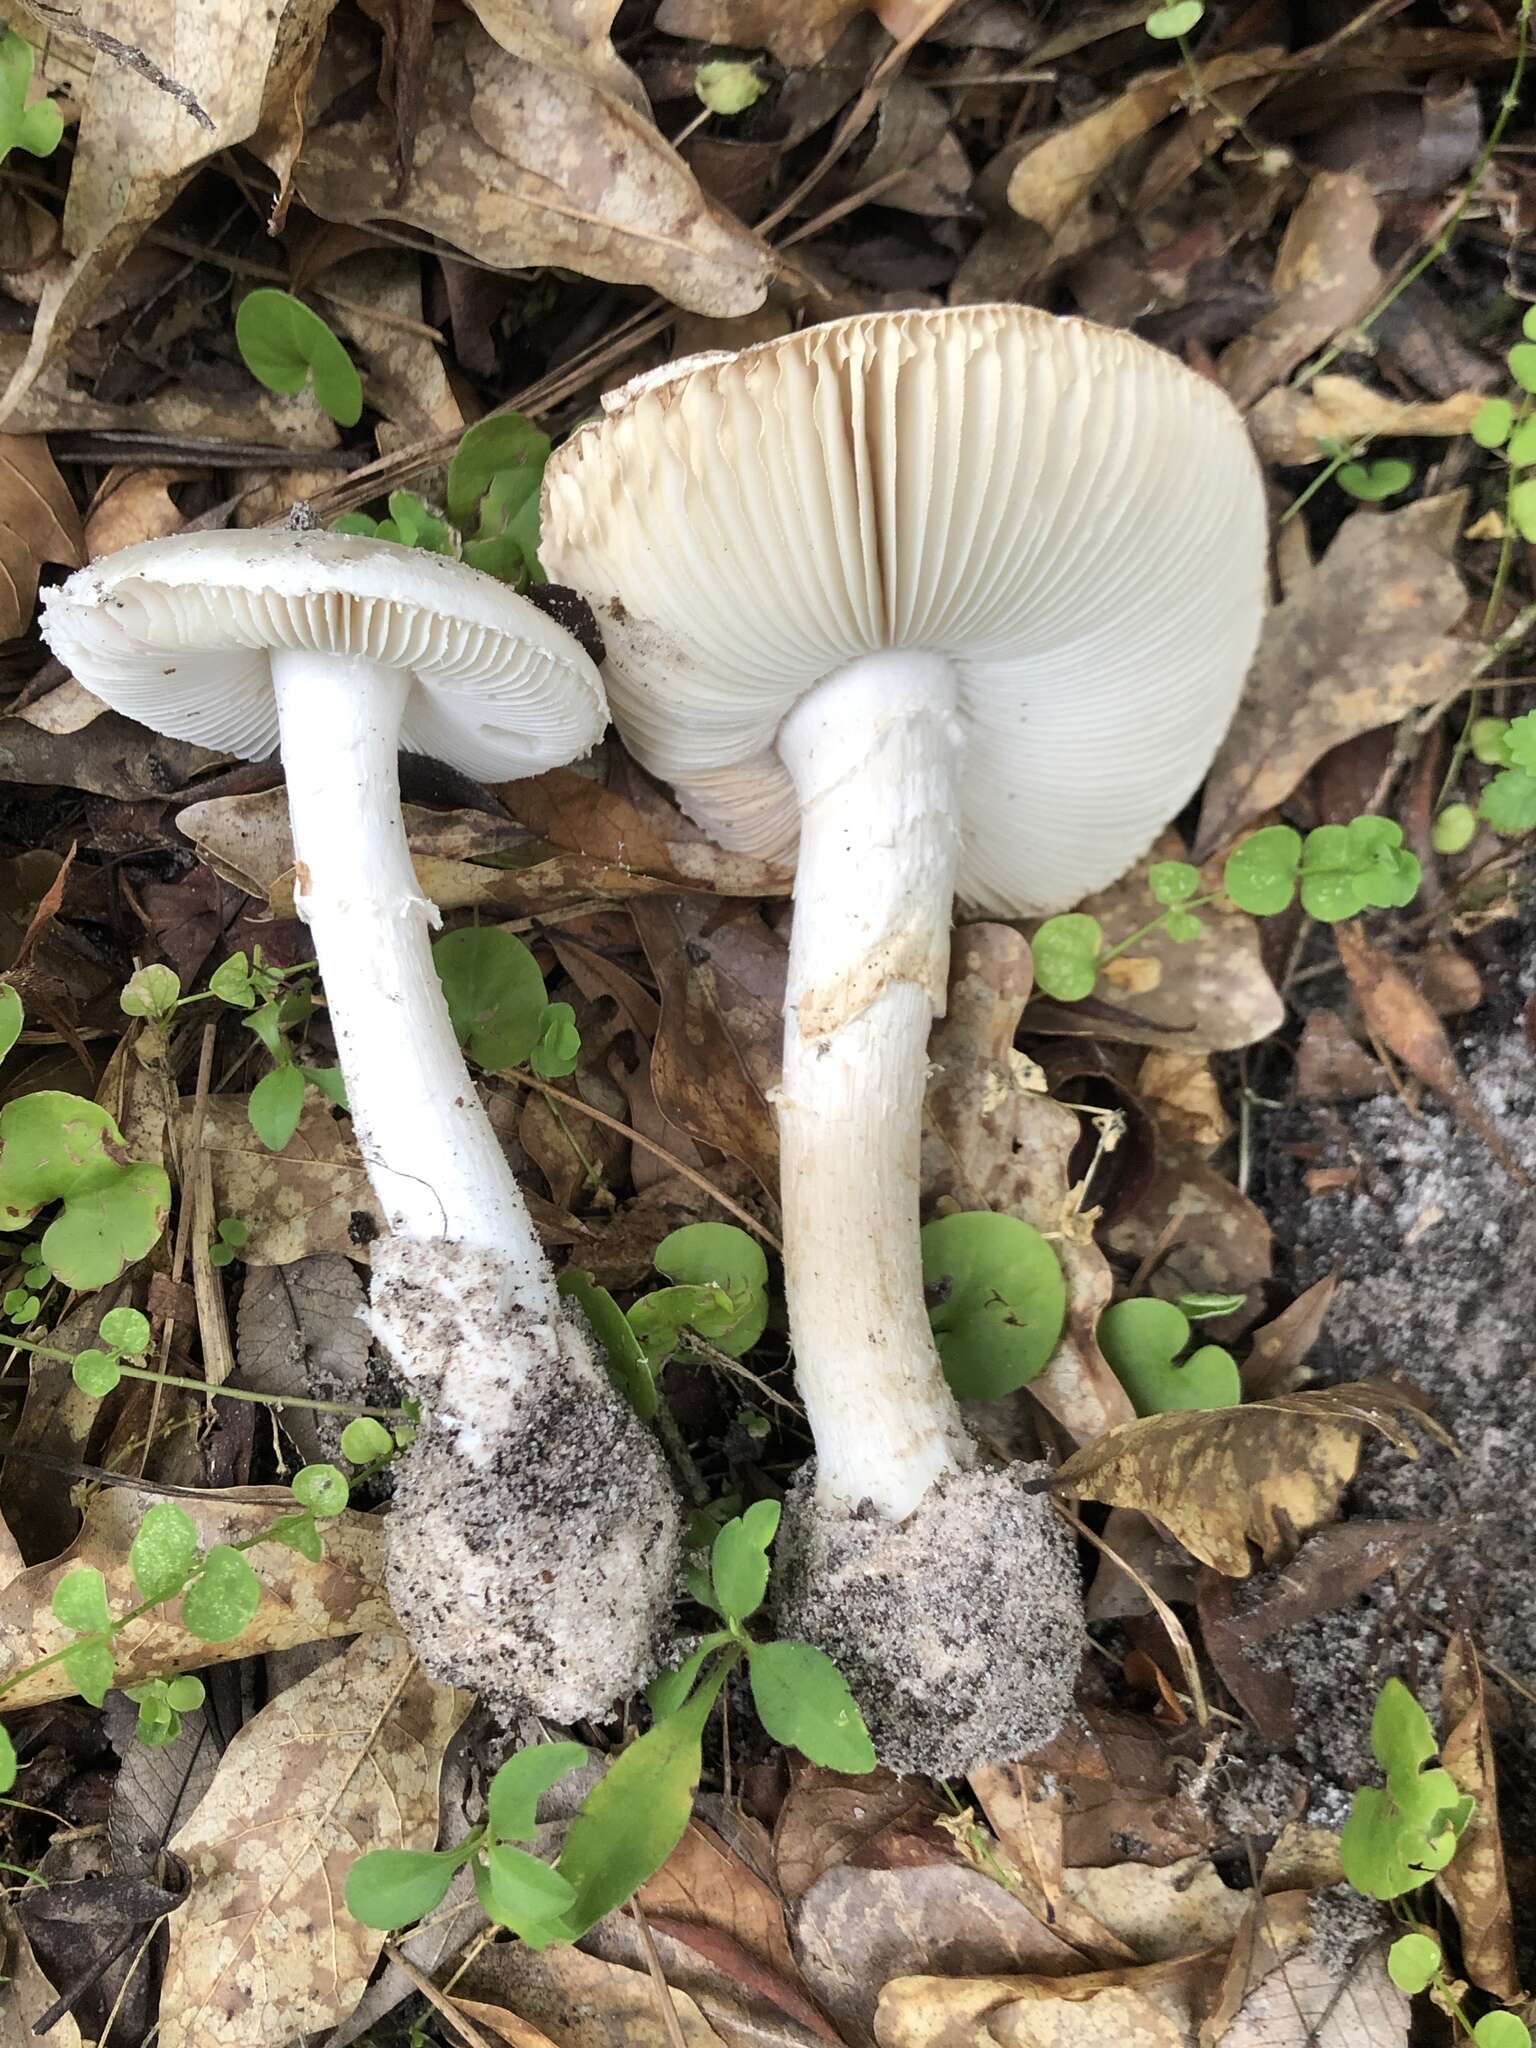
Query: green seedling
{"points": [[284, 345], [1415, 1963], [634, 1817], [277, 1001], [232, 1236], [1169, 24], [411, 523], [1508, 804], [1454, 829], [63, 1153], [1398, 1837], [1371, 482], [497, 1004], [720, 1295], [37, 128], [729, 85], [161, 1703], [997, 1301], [153, 993], [1145, 1342], [1339, 870]]}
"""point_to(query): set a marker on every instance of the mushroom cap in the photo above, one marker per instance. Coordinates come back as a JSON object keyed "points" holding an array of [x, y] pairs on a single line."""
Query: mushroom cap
{"points": [[1071, 516], [178, 633]]}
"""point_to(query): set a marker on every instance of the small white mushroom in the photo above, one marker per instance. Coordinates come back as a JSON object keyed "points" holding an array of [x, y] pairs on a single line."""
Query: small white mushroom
{"points": [[961, 602], [535, 1535]]}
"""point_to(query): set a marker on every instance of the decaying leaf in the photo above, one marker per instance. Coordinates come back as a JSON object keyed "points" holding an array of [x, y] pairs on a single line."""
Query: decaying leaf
{"points": [[1475, 1881], [580, 2001], [1364, 639], [235, 71], [301, 1602], [1148, 2007], [1304, 2005], [717, 1050], [1287, 424], [993, 1140], [522, 161], [133, 505], [155, 1789], [263, 1948], [1325, 277], [313, 1196], [301, 1331], [25, 1993], [1264, 1473], [829, 1819], [1402, 1019], [796, 31], [38, 523]]}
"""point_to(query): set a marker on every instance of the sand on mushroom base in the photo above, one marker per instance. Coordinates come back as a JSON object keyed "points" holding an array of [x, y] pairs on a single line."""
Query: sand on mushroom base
{"points": [[960, 1630], [535, 1538]]}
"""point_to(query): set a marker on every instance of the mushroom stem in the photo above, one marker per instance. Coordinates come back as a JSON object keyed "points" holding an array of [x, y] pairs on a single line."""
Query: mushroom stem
{"points": [[429, 1148], [874, 752]]}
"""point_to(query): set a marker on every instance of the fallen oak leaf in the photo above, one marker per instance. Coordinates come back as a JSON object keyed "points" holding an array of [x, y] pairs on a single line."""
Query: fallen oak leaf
{"points": [[262, 1949], [1364, 639], [301, 1602], [1265, 1473], [1475, 1882], [1402, 1019]]}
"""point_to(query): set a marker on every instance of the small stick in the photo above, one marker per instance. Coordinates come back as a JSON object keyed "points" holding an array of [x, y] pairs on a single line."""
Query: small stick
{"points": [[672, 2026]]}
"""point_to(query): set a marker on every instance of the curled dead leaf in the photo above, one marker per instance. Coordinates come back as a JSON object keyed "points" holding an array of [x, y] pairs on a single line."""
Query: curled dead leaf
{"points": [[1475, 1881], [1288, 424], [263, 1947], [1265, 1473], [38, 523]]}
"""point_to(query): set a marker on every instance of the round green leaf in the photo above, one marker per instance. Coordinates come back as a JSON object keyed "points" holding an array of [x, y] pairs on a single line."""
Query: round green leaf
{"points": [[1522, 505], [80, 1601], [719, 1255], [1260, 876], [185, 1693], [520, 1891], [1002, 1301], [1373, 481], [282, 343], [802, 1700], [1454, 829], [1518, 743], [1173, 881], [1508, 804], [559, 1046], [1167, 24], [1066, 952], [729, 85], [95, 1373], [1182, 926], [126, 1330], [1487, 741], [364, 1439], [1522, 365], [1521, 449], [1501, 2030], [1491, 423], [390, 1888], [222, 1599], [230, 981], [321, 1488], [1412, 1962], [495, 994], [276, 1104], [232, 1230], [61, 1148], [90, 1670], [505, 447], [152, 992], [165, 1551], [1143, 1341]]}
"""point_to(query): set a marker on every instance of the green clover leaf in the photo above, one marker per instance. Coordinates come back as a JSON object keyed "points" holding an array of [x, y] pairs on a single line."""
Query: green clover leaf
{"points": [[283, 344], [1260, 875], [60, 1148], [1066, 952]]}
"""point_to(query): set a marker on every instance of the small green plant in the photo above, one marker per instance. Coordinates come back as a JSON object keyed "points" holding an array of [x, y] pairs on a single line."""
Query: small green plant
{"points": [[997, 1301], [37, 128], [1369, 482], [283, 345], [1172, 23], [1339, 871], [161, 1703], [230, 1239], [1398, 1836], [61, 1153], [1507, 428], [728, 85], [277, 1002], [720, 1294], [1415, 1963], [497, 1003], [1508, 803], [492, 513], [634, 1817], [1145, 1341]]}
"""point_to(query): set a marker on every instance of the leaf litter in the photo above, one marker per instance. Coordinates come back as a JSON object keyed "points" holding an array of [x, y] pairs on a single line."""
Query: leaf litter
{"points": [[1315, 1143]]}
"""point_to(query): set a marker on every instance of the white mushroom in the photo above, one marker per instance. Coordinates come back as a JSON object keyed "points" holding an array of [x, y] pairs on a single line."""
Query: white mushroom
{"points": [[535, 1536], [962, 601]]}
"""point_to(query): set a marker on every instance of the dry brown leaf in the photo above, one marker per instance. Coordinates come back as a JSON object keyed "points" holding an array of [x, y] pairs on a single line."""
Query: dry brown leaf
{"points": [[1402, 1020], [1207, 1236], [1278, 1349], [1026, 1810], [313, 1196], [497, 2024], [301, 1602], [1150, 2007], [1160, 1911], [1181, 1091], [133, 505], [717, 1052], [1324, 278], [1056, 176], [581, 2001], [1364, 640], [301, 1331], [1331, 1066], [1265, 1473], [1304, 2005], [705, 1884], [1211, 994], [263, 1948], [992, 1140], [240, 71], [829, 1819], [528, 160], [798, 32], [1287, 424], [38, 523], [25, 1993], [1474, 1881]]}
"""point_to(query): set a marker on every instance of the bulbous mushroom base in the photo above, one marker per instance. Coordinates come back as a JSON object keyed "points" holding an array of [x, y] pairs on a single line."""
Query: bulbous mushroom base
{"points": [[535, 1537], [960, 1629]]}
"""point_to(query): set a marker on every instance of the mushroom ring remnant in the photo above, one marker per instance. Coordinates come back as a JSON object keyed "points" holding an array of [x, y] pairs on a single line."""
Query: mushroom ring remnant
{"points": [[344, 650], [954, 601]]}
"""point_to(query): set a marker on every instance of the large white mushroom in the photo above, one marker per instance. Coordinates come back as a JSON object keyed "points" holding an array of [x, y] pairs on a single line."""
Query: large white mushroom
{"points": [[535, 1536], [958, 602]]}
